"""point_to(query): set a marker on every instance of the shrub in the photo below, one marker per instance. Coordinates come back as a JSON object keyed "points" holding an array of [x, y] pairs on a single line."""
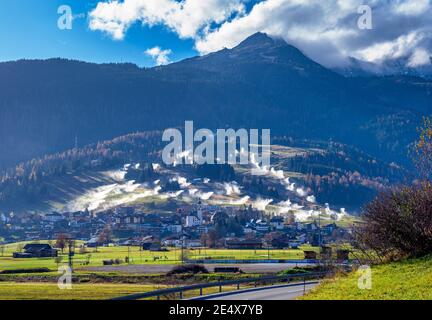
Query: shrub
{"points": [[32, 270], [398, 223], [188, 268]]}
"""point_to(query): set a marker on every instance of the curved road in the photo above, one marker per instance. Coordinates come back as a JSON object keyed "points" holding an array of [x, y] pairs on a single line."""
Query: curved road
{"points": [[285, 292]]}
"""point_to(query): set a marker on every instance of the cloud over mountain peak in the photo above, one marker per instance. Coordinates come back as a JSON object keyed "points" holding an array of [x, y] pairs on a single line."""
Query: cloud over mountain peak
{"points": [[327, 31]]}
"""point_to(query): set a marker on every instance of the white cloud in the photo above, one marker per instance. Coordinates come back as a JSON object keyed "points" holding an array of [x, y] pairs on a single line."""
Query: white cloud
{"points": [[390, 49], [186, 17], [411, 7], [159, 55], [327, 31], [419, 58]]}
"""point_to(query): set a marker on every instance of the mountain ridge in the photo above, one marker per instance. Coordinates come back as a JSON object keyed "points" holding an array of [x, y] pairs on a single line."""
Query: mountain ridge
{"points": [[46, 105]]}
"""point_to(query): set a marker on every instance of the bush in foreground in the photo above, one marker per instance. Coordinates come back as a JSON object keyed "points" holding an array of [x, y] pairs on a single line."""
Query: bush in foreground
{"points": [[398, 223]]}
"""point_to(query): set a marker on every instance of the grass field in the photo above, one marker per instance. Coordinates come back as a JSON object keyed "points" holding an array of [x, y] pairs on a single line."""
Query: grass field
{"points": [[50, 291], [405, 280], [100, 291], [106, 285], [137, 256]]}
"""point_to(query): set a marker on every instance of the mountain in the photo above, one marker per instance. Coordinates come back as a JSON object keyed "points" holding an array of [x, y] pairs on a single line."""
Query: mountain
{"points": [[359, 68], [393, 67], [47, 106]]}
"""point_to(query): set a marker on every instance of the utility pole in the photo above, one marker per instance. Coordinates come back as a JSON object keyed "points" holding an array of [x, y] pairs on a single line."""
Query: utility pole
{"points": [[319, 230], [320, 237], [182, 250], [71, 254], [182, 244]]}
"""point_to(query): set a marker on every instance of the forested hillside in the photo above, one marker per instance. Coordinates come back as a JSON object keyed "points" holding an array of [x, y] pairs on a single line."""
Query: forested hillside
{"points": [[49, 106], [335, 173]]}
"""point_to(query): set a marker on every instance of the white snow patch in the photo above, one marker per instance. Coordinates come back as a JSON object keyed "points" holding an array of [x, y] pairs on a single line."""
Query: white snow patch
{"points": [[232, 188], [261, 204]]}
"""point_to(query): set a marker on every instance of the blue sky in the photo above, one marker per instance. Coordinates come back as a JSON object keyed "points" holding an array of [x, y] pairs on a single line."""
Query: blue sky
{"points": [[147, 32], [28, 29]]}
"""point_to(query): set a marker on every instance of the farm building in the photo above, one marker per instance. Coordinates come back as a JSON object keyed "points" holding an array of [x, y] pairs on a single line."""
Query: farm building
{"points": [[36, 250]]}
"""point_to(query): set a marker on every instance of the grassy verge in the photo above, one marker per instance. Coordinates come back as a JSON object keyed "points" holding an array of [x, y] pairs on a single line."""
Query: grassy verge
{"points": [[100, 291], [405, 280], [50, 291], [124, 278]]}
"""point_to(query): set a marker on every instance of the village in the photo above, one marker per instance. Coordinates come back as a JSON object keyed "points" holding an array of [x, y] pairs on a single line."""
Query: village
{"points": [[192, 226]]}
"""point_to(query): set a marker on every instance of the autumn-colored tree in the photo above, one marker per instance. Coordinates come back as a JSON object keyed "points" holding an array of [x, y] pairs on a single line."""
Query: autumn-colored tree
{"points": [[203, 239], [398, 223], [423, 149], [212, 238], [291, 218], [61, 241], [105, 235]]}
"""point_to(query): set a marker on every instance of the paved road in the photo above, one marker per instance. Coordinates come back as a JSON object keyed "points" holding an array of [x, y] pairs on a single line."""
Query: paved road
{"points": [[271, 293], [164, 268]]}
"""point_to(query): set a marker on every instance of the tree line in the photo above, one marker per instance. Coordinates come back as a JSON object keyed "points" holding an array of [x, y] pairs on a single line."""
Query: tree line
{"points": [[28, 180]]}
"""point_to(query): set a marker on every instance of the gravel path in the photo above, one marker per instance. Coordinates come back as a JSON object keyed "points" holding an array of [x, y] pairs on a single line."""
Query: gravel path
{"points": [[164, 268]]}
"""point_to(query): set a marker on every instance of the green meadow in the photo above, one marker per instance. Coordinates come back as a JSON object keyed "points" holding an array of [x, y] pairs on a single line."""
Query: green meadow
{"points": [[51, 291], [96, 256], [97, 284], [404, 280]]}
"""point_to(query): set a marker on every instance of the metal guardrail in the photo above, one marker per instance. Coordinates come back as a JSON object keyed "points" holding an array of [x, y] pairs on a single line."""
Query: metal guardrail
{"points": [[252, 261], [255, 281]]}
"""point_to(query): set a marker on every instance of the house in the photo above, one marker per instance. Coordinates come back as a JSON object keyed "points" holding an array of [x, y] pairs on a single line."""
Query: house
{"points": [[174, 228], [192, 221], [310, 255], [156, 247], [36, 250], [54, 217], [171, 241], [124, 210], [247, 230], [310, 226], [192, 243], [277, 240], [294, 244], [277, 223], [244, 244], [262, 227], [152, 246], [202, 229], [94, 242], [128, 222]]}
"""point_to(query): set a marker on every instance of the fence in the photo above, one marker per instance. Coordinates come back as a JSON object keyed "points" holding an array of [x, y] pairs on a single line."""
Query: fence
{"points": [[267, 280], [253, 261]]}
